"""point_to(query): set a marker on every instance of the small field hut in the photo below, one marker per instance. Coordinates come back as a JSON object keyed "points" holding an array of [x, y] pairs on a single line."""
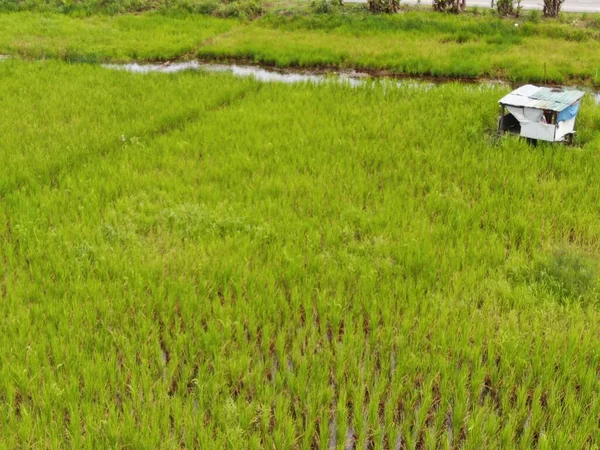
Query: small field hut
{"points": [[540, 113]]}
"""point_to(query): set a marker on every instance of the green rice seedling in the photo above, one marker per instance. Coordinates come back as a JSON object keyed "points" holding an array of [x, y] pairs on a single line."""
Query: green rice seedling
{"points": [[289, 266]]}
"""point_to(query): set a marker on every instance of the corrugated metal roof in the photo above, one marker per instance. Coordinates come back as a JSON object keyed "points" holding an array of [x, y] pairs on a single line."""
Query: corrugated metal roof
{"points": [[526, 90], [553, 99]]}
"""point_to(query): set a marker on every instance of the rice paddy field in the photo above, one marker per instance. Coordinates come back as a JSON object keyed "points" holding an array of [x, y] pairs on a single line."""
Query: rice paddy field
{"points": [[193, 260], [474, 45]]}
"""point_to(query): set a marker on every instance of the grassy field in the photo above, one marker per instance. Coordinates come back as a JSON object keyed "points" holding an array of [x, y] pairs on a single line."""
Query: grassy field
{"points": [[415, 43], [219, 8], [421, 43], [198, 261], [99, 38]]}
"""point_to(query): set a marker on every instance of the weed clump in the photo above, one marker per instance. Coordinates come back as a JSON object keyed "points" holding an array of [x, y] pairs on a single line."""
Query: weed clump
{"points": [[564, 275], [568, 276]]}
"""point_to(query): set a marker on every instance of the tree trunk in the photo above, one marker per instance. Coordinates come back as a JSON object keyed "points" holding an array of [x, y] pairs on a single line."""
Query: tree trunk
{"points": [[552, 7]]}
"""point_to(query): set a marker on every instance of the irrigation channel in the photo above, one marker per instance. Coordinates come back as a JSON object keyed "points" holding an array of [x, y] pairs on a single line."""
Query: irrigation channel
{"points": [[289, 76], [316, 76]]}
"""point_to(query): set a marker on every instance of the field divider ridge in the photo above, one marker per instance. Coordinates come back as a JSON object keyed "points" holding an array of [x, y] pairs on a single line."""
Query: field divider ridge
{"points": [[164, 126]]}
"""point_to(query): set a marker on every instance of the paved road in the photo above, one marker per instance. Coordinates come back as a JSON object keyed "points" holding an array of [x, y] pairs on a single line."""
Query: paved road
{"points": [[568, 5]]}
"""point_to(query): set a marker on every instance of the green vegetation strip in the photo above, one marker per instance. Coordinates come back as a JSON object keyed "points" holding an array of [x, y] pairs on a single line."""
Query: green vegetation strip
{"points": [[421, 43], [107, 38], [414, 43], [198, 261]]}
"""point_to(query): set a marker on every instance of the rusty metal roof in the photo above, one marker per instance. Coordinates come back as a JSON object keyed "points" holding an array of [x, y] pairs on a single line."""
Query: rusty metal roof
{"points": [[553, 99]]}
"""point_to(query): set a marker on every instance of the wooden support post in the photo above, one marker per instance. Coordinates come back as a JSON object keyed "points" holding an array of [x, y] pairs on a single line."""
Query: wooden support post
{"points": [[501, 121]]}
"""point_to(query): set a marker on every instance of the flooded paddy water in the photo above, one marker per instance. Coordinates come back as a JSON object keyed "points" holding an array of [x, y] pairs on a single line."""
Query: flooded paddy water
{"points": [[267, 75], [315, 76], [288, 76], [297, 75]]}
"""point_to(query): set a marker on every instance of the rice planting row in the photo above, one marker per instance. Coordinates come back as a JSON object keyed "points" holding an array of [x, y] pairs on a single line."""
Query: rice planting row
{"points": [[197, 261]]}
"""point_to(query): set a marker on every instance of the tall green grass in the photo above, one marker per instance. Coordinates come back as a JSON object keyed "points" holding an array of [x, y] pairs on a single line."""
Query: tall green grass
{"points": [[197, 261], [419, 43], [229, 8], [415, 43], [103, 38]]}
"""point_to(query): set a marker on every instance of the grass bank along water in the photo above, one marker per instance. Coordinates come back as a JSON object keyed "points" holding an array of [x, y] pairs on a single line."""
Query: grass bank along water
{"points": [[298, 75], [286, 75], [414, 43], [213, 262], [420, 43]]}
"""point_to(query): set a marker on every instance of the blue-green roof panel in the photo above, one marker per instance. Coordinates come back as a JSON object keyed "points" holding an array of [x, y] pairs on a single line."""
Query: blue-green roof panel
{"points": [[553, 99]]}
